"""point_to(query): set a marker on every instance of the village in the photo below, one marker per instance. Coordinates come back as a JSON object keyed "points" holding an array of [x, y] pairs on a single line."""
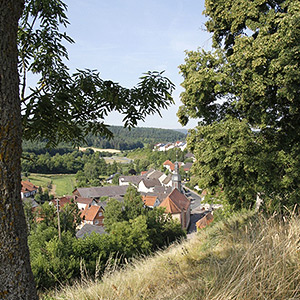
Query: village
{"points": [[157, 189]]}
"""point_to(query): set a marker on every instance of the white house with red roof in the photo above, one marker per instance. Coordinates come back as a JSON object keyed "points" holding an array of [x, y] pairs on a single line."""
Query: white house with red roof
{"points": [[28, 189], [169, 165], [83, 202], [93, 214]]}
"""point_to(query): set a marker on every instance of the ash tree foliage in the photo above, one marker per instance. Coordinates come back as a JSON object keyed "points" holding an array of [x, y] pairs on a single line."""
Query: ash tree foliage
{"points": [[246, 93], [64, 107]]}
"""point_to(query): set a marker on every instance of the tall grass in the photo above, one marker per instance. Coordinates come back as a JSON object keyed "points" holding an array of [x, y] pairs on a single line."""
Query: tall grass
{"points": [[246, 257]]}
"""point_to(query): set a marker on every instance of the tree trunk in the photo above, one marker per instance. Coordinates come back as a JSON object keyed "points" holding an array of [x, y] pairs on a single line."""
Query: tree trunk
{"points": [[16, 279]]}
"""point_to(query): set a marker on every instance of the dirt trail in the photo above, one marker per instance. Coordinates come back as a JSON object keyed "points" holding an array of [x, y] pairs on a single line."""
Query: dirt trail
{"points": [[52, 190]]}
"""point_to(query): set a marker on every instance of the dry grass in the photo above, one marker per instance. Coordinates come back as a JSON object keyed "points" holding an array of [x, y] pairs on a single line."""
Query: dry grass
{"points": [[247, 257]]}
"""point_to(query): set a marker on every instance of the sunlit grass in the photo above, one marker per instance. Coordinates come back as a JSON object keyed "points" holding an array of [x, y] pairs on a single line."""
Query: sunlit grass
{"points": [[247, 257], [62, 184]]}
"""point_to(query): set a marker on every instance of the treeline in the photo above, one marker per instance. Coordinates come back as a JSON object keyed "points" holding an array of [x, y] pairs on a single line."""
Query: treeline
{"points": [[69, 163], [90, 168], [125, 139], [39, 147]]}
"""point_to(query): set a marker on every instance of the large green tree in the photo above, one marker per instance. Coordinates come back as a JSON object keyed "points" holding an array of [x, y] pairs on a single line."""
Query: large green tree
{"points": [[246, 94], [60, 107]]}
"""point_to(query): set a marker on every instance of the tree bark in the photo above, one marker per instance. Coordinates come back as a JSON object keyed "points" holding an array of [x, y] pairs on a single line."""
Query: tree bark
{"points": [[16, 279]]}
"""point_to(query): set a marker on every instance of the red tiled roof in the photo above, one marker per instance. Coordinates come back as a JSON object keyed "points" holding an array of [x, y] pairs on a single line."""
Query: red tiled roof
{"points": [[149, 200], [28, 186], [90, 213], [168, 162], [175, 202], [172, 166], [206, 220], [63, 201]]}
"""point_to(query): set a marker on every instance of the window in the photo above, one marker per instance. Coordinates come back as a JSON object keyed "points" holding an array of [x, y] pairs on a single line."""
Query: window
{"points": [[100, 214], [96, 222]]}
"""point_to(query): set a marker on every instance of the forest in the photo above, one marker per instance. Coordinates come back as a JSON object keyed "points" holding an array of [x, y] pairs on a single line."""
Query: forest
{"points": [[123, 139]]}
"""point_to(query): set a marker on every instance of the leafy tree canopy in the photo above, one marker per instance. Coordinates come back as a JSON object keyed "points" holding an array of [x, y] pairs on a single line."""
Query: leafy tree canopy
{"points": [[246, 94], [64, 107]]}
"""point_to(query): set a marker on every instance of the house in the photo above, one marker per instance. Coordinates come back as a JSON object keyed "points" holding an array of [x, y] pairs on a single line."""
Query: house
{"points": [[113, 191], [157, 175], [149, 172], [169, 146], [150, 201], [93, 214], [187, 166], [62, 201], [206, 220], [88, 229], [147, 185], [32, 202], [179, 206], [167, 182], [169, 165], [190, 155], [111, 177], [28, 189], [127, 180], [83, 202], [183, 146]]}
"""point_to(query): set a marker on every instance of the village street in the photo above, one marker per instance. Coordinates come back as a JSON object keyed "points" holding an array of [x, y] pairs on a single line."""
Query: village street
{"points": [[196, 211]]}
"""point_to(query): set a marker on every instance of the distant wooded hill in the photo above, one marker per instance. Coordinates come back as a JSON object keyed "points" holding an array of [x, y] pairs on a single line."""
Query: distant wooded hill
{"points": [[124, 139]]}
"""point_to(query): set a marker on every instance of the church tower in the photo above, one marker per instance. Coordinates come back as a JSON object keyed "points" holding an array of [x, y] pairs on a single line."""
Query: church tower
{"points": [[176, 178]]}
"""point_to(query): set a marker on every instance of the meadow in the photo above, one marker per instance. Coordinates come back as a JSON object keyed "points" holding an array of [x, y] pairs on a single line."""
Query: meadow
{"points": [[57, 184]]}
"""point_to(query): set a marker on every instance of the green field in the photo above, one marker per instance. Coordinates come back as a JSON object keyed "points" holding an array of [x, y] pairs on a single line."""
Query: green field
{"points": [[62, 184]]}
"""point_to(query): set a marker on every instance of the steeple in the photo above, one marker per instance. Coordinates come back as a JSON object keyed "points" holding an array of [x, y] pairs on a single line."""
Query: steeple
{"points": [[176, 178]]}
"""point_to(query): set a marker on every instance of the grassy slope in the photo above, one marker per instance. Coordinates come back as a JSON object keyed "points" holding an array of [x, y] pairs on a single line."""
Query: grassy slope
{"points": [[246, 257], [62, 184]]}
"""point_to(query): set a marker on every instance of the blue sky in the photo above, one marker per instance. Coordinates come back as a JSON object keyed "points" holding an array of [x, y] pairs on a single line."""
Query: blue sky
{"points": [[122, 39]]}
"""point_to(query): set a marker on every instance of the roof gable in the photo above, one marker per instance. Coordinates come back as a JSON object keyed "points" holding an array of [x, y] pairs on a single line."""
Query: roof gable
{"points": [[28, 186], [149, 200], [90, 212], [155, 175], [175, 202], [97, 192], [151, 182], [135, 179]]}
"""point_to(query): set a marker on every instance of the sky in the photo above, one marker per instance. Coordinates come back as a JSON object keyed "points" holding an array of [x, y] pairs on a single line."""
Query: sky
{"points": [[123, 39]]}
